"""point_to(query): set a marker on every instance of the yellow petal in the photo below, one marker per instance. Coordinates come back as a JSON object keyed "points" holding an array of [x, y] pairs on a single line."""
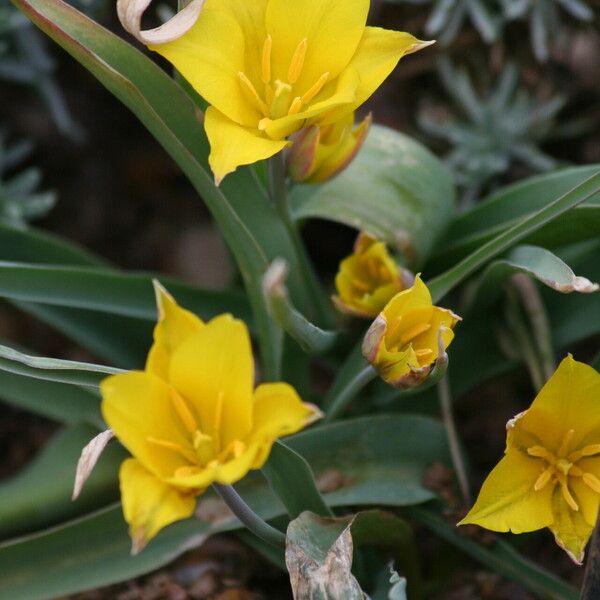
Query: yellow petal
{"points": [[232, 145], [175, 325], [210, 56], [377, 55], [415, 297], [441, 321], [570, 528], [214, 371], [569, 400], [149, 504], [587, 499], [138, 408], [507, 500], [332, 29]]}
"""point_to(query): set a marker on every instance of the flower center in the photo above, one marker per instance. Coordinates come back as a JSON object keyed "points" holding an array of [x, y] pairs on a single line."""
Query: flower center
{"points": [[562, 465], [401, 337], [279, 98]]}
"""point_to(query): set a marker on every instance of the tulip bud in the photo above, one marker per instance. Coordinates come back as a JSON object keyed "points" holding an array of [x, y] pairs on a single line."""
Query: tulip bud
{"points": [[408, 336], [368, 278], [319, 153]]}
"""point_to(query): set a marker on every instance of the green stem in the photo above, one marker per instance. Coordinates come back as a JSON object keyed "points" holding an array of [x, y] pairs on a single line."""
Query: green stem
{"points": [[453, 440], [349, 391], [279, 197], [248, 517]]}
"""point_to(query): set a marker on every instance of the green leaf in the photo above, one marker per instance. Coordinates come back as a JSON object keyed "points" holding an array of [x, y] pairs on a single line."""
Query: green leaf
{"points": [[511, 204], [369, 461], [58, 401], [536, 262], [293, 481], [445, 282], [52, 369], [500, 557], [40, 495], [395, 189]]}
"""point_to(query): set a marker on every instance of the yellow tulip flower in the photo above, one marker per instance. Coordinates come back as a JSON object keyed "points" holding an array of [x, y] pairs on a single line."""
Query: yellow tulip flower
{"points": [[407, 337], [193, 417], [550, 473], [320, 153], [368, 278], [269, 68]]}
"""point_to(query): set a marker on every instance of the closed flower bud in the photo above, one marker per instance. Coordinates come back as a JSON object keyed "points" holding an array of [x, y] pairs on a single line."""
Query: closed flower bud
{"points": [[408, 336]]}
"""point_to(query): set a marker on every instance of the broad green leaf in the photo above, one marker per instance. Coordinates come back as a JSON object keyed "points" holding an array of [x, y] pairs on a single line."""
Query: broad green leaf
{"points": [[293, 481], [32, 246], [369, 461], [500, 557], [58, 401], [52, 369], [112, 292], [509, 205], [40, 495], [247, 220], [442, 284], [536, 262], [395, 189]]}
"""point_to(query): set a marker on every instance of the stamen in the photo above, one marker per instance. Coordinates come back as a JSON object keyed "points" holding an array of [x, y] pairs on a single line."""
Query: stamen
{"points": [[183, 411], [423, 352], [541, 452], [315, 89], [543, 479], [250, 90], [266, 59], [413, 332], [217, 422], [181, 450], [297, 61], [565, 442], [586, 451], [296, 106], [187, 471], [592, 482], [566, 492], [360, 285], [373, 267]]}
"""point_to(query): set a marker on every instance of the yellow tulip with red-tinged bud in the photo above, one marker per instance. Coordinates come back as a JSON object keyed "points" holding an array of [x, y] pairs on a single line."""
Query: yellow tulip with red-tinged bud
{"points": [[269, 68], [408, 336], [193, 417], [550, 473], [320, 153], [368, 278]]}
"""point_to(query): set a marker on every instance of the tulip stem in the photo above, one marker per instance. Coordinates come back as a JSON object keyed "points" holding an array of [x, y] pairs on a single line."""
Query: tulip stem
{"points": [[453, 441], [591, 579], [248, 517], [349, 391], [279, 196]]}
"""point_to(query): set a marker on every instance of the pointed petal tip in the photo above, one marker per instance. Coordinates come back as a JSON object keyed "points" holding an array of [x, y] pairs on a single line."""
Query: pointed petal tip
{"points": [[161, 294], [138, 543], [422, 44]]}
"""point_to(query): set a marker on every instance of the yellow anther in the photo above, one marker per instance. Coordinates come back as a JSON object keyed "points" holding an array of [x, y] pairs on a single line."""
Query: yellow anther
{"points": [[185, 472], [591, 481], [543, 479], [565, 442], [586, 451], [266, 59], [566, 492], [315, 89], [423, 353], [183, 411], [413, 332], [297, 63], [238, 448], [360, 285], [373, 266], [178, 448], [251, 92], [384, 274], [541, 452], [296, 106]]}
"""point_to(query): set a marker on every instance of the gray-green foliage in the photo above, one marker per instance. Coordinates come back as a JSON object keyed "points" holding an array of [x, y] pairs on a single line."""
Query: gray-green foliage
{"points": [[20, 200], [500, 127]]}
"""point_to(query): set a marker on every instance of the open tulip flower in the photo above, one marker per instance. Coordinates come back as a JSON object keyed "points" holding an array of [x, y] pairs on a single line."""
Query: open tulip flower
{"points": [[269, 68], [550, 473], [368, 279], [192, 417], [408, 336]]}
